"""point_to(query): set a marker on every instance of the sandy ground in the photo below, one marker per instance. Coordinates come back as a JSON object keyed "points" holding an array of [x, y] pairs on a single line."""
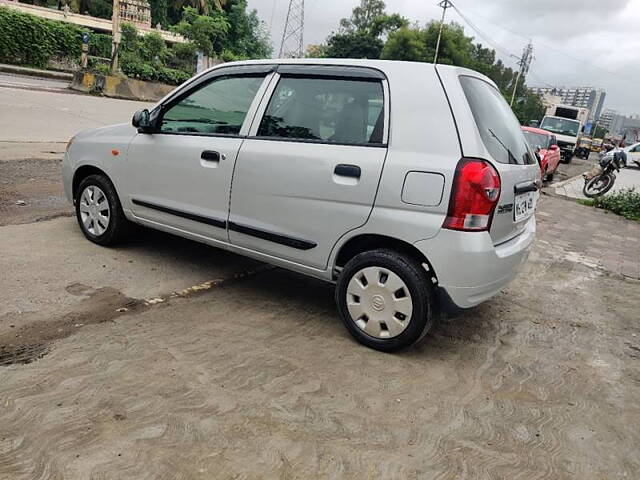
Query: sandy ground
{"points": [[166, 359]]}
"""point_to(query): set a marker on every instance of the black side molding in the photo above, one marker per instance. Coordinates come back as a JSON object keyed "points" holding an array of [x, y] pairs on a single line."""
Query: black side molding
{"points": [[179, 213], [292, 242]]}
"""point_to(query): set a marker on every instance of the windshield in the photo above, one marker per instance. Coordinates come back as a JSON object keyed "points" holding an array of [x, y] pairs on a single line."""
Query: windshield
{"points": [[536, 139], [562, 126]]}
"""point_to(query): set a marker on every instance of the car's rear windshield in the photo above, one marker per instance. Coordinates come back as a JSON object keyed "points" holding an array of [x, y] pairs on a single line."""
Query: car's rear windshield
{"points": [[536, 139], [498, 126]]}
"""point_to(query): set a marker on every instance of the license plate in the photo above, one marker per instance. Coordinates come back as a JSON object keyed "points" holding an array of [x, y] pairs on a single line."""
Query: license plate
{"points": [[524, 206]]}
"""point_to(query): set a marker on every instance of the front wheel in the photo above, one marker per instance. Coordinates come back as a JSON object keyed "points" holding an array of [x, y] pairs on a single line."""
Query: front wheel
{"points": [[385, 300], [99, 212], [598, 185]]}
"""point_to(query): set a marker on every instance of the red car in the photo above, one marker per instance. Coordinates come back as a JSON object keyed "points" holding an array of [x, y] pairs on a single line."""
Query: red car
{"points": [[549, 151]]}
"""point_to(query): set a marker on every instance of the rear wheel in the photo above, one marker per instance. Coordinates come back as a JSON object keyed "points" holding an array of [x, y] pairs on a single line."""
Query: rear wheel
{"points": [[99, 212], [598, 185], [549, 176], [385, 300]]}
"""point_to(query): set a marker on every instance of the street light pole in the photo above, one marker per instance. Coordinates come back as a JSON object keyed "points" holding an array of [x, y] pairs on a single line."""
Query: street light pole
{"points": [[115, 35], [524, 63], [444, 5]]}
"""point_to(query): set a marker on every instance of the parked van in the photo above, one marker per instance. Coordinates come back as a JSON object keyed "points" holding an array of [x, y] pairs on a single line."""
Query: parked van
{"points": [[408, 185]]}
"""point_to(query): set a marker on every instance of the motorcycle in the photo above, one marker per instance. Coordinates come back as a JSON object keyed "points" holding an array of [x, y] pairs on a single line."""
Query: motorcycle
{"points": [[602, 176]]}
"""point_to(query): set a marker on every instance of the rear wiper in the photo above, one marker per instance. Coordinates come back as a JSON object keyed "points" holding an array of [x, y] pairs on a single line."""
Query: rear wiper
{"points": [[512, 158]]}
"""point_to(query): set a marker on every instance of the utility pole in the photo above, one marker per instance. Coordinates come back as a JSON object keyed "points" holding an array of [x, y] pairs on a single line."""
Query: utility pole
{"points": [[524, 62], [292, 44], [115, 35], [444, 5]]}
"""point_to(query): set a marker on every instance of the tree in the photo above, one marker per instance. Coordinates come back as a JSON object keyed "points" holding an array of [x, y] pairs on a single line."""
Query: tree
{"points": [[600, 132], [353, 45], [529, 107], [159, 13], [248, 36], [406, 44], [316, 51], [363, 17]]}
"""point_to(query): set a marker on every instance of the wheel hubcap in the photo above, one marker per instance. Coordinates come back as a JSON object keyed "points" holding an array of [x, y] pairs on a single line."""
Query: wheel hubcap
{"points": [[94, 210], [379, 302]]}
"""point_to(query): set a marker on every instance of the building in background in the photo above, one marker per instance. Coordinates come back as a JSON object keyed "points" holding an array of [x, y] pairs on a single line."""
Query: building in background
{"points": [[626, 127], [137, 12], [585, 97], [607, 117]]}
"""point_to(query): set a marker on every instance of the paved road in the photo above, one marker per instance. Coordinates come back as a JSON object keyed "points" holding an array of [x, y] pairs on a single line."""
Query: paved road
{"points": [[36, 116], [26, 81], [168, 359]]}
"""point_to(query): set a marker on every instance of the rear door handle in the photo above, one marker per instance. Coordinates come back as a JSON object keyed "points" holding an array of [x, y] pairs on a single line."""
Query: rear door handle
{"points": [[345, 170], [211, 156], [531, 186]]}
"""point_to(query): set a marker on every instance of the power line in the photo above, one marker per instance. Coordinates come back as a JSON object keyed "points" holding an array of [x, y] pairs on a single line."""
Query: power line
{"points": [[550, 47], [483, 35]]}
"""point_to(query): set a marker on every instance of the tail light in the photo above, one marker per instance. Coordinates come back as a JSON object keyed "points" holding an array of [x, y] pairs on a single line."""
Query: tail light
{"points": [[474, 196]]}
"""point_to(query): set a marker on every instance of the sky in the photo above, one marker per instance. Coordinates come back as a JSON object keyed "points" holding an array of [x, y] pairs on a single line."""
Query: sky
{"points": [[575, 42]]}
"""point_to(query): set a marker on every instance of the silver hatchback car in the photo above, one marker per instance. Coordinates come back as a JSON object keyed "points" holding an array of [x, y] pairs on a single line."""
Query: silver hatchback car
{"points": [[410, 186]]}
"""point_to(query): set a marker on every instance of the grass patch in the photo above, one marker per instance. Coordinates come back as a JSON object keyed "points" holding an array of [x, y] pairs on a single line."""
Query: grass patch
{"points": [[625, 202]]}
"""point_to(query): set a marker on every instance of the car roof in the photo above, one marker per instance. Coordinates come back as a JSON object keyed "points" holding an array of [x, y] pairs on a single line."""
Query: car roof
{"points": [[537, 130], [385, 66]]}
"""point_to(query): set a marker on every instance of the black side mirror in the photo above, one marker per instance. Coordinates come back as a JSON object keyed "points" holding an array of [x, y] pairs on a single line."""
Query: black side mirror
{"points": [[142, 121]]}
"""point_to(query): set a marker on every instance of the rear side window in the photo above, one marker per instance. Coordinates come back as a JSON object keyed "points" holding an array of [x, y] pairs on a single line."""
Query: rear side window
{"points": [[325, 110], [498, 126], [219, 107]]}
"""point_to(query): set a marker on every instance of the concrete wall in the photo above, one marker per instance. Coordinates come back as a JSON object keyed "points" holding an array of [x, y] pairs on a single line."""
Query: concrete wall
{"points": [[94, 23], [119, 87]]}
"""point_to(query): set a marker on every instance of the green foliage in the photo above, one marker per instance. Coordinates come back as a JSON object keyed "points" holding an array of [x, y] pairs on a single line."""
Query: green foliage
{"points": [[207, 32], [406, 44], [159, 13], [363, 17], [247, 36], [528, 107], [353, 45], [625, 202], [100, 45], [30, 40], [148, 58], [600, 132], [101, 69]]}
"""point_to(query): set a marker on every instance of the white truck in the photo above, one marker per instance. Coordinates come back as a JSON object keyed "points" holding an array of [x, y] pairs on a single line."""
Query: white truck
{"points": [[567, 122]]}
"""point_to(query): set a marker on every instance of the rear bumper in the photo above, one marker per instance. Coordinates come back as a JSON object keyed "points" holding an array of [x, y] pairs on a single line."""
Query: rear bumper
{"points": [[470, 269]]}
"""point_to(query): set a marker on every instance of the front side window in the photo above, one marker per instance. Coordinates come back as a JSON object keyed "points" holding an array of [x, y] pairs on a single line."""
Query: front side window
{"points": [[219, 107], [325, 110], [498, 126]]}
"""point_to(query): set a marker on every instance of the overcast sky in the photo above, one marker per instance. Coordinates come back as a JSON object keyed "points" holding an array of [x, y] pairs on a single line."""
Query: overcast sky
{"points": [[603, 33]]}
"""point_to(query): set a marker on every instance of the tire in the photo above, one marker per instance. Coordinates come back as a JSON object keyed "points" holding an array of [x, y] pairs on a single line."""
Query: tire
{"points": [[593, 187], [91, 209], [549, 176], [384, 306], [567, 159]]}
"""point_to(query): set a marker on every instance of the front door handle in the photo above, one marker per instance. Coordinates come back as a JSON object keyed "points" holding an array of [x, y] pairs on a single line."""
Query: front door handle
{"points": [[211, 156], [345, 170]]}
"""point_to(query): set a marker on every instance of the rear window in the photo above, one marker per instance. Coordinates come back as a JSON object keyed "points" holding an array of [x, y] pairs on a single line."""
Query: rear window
{"points": [[536, 139], [498, 126]]}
